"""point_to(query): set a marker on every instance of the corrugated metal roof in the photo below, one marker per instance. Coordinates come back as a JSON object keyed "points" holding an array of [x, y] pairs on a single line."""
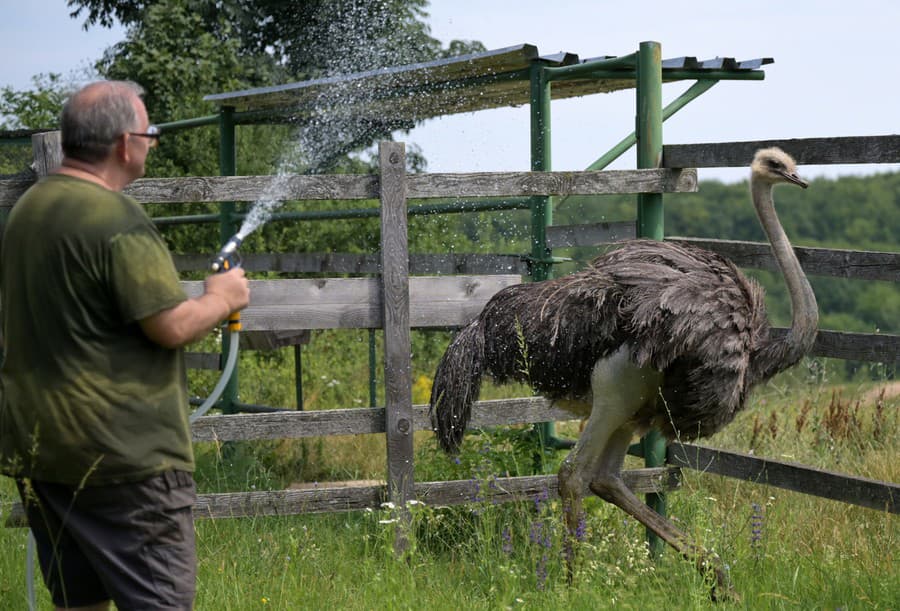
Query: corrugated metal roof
{"points": [[411, 93]]}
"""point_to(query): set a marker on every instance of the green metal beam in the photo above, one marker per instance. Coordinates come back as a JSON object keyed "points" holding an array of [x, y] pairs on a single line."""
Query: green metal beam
{"points": [[650, 216], [170, 126], [621, 67], [485, 205], [695, 91]]}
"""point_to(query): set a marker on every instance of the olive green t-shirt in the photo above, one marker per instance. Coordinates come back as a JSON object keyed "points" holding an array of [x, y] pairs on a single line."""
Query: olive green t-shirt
{"points": [[86, 396]]}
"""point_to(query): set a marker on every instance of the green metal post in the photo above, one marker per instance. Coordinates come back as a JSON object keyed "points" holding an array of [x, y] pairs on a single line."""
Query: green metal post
{"points": [[228, 227], [541, 208], [650, 215]]}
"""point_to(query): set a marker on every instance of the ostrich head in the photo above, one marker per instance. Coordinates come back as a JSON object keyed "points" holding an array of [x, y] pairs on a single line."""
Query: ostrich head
{"points": [[772, 166]]}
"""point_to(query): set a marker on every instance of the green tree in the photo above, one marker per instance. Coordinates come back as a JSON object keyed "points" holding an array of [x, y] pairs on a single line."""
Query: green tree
{"points": [[310, 39], [33, 108]]}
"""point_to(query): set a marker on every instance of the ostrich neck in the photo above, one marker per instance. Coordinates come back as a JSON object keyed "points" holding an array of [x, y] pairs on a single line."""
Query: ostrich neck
{"points": [[786, 351]]}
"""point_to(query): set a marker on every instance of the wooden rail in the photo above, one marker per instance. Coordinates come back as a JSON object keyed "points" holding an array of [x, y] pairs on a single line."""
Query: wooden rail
{"points": [[363, 421], [357, 303], [881, 496], [857, 264], [213, 189], [327, 499], [808, 151]]}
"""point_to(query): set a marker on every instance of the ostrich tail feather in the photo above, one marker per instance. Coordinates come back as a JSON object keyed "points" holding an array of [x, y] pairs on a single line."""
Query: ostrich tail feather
{"points": [[457, 383]]}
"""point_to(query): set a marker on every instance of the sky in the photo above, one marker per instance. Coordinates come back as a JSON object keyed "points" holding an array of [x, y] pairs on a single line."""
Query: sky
{"points": [[835, 73]]}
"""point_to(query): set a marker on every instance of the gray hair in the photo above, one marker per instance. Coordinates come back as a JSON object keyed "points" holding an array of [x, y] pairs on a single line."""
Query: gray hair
{"points": [[95, 116]]}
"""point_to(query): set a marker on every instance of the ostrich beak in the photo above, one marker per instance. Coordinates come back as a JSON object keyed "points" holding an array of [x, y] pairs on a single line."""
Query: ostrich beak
{"points": [[793, 178]]}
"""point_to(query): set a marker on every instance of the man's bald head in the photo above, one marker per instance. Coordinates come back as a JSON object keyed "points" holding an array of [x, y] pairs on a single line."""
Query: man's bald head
{"points": [[95, 116]]}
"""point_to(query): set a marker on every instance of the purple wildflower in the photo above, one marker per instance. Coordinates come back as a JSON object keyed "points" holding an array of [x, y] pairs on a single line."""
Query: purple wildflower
{"points": [[540, 572], [540, 498], [507, 546], [756, 527], [581, 527]]}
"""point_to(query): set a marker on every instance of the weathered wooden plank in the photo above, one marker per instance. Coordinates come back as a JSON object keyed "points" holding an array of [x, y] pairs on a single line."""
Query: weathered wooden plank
{"points": [[397, 342], [202, 360], [199, 189], [870, 347], [809, 151], [47, 151], [590, 234], [475, 184], [250, 340], [271, 340], [867, 265], [365, 420], [327, 499], [514, 184], [47, 155], [12, 188], [344, 303], [351, 263], [861, 264], [882, 496], [252, 188], [504, 489]]}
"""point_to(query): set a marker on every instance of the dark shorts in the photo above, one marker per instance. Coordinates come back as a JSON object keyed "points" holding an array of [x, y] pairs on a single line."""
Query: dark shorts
{"points": [[131, 543]]}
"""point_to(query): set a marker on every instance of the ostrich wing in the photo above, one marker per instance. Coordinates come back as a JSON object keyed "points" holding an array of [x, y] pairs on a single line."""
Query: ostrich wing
{"points": [[693, 315], [682, 310]]}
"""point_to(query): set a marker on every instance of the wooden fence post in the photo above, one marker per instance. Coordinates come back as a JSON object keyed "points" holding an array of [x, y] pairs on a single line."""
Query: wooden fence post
{"points": [[47, 152], [397, 357]]}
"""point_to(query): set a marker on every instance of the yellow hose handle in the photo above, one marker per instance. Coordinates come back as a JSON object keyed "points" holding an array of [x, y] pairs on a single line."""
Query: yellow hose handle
{"points": [[234, 319]]}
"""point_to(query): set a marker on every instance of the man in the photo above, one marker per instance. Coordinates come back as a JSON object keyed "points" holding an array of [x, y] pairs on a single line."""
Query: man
{"points": [[94, 413]]}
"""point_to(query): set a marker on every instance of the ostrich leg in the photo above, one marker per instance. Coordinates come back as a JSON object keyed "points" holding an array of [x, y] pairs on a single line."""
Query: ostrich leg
{"points": [[620, 390], [608, 485]]}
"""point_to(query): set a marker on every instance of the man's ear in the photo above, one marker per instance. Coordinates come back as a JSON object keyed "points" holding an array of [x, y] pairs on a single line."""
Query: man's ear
{"points": [[121, 150]]}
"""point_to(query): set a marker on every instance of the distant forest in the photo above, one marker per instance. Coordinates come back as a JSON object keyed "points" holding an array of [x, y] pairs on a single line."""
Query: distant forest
{"points": [[855, 213]]}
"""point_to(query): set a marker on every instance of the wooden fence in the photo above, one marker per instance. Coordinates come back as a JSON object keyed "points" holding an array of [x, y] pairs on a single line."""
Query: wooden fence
{"points": [[396, 301]]}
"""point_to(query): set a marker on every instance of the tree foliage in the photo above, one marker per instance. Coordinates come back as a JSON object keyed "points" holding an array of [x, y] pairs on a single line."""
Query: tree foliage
{"points": [[33, 108], [308, 39]]}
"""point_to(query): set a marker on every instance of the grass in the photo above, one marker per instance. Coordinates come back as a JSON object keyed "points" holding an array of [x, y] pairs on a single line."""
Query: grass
{"points": [[785, 550]]}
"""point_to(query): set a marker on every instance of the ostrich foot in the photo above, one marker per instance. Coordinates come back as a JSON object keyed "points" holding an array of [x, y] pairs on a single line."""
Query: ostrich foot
{"points": [[613, 490]]}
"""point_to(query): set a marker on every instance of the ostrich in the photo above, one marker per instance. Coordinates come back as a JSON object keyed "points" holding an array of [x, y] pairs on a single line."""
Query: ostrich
{"points": [[653, 334]]}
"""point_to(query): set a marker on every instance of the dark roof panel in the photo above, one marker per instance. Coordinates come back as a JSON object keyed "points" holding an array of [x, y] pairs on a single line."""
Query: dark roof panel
{"points": [[407, 94]]}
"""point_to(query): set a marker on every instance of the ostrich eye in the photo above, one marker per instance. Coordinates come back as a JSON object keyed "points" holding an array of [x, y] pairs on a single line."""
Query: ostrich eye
{"points": [[774, 164]]}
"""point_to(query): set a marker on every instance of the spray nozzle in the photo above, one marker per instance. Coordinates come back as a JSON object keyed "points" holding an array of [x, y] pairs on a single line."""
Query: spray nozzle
{"points": [[225, 260]]}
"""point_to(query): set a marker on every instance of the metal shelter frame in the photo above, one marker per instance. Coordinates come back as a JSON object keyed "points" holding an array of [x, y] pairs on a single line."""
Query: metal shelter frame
{"points": [[400, 97]]}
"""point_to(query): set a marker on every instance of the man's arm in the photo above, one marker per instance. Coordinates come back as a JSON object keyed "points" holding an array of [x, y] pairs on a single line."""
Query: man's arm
{"points": [[192, 319]]}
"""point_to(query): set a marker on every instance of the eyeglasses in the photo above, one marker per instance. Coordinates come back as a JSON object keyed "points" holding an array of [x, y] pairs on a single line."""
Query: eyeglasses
{"points": [[152, 132]]}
